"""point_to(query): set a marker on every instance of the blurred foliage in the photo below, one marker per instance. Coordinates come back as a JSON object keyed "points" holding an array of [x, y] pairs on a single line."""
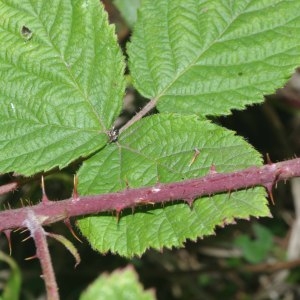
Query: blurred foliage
{"points": [[255, 250], [120, 285], [12, 287]]}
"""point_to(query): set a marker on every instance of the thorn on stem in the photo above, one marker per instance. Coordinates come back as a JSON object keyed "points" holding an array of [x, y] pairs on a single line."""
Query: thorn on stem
{"points": [[229, 194], [118, 211], [69, 226], [25, 239], [24, 230], [269, 187], [31, 257], [75, 191], [44, 197], [189, 202], [268, 159], [212, 170]]}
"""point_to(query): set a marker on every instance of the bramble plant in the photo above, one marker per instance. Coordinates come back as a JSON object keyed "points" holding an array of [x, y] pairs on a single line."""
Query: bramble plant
{"points": [[61, 90]]}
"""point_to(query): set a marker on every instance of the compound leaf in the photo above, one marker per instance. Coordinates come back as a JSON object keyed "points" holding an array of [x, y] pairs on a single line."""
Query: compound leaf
{"points": [[61, 82]]}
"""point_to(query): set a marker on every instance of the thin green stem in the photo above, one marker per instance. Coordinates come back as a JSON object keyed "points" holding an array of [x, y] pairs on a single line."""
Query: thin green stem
{"points": [[144, 111]]}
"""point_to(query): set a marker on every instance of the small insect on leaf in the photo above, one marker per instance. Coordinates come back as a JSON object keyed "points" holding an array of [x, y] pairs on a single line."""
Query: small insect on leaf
{"points": [[113, 135], [26, 33]]}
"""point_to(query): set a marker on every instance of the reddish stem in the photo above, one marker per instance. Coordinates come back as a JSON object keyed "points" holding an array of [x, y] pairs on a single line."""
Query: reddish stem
{"points": [[9, 187], [42, 253], [48, 212]]}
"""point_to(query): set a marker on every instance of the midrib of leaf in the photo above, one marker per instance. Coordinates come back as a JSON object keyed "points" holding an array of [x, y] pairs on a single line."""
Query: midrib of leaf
{"points": [[90, 104], [193, 63], [79, 88], [61, 58]]}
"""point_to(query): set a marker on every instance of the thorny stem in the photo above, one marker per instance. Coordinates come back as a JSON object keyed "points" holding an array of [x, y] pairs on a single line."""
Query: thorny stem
{"points": [[48, 212], [146, 109], [32, 222]]}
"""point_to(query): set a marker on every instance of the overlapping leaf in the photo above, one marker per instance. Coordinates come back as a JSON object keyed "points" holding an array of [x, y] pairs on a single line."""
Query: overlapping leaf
{"points": [[209, 57], [161, 148], [61, 82], [120, 285], [128, 9]]}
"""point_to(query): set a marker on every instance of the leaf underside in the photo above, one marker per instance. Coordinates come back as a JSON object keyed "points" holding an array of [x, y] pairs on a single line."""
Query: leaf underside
{"points": [[61, 82], [157, 149], [209, 57]]}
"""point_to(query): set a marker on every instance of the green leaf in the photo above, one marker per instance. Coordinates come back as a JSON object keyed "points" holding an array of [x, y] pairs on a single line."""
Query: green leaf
{"points": [[12, 287], [128, 9], [160, 148], [120, 285], [61, 82], [256, 251], [209, 57]]}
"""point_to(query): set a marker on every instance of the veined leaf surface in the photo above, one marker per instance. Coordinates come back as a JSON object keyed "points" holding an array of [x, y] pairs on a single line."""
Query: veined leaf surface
{"points": [[61, 82], [209, 57], [158, 149]]}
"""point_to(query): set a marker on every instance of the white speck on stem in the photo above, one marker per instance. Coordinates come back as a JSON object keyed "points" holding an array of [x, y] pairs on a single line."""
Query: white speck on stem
{"points": [[155, 190], [75, 199]]}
